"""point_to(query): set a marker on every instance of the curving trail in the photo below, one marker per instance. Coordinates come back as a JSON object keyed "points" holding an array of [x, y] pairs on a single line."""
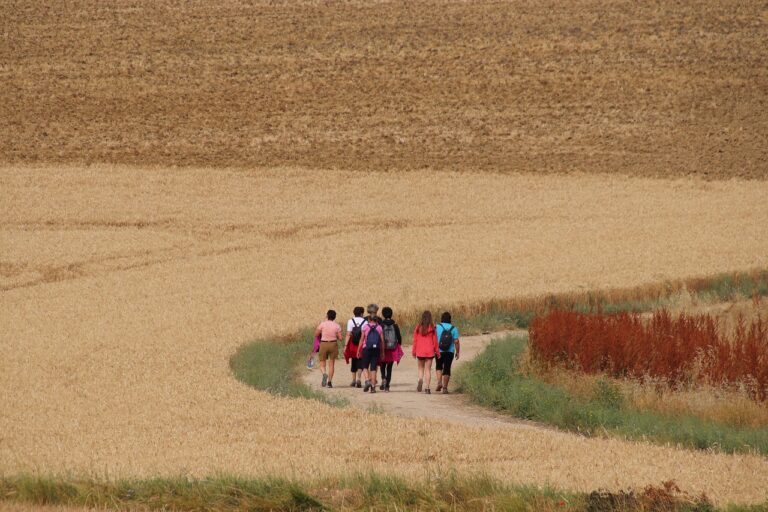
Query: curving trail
{"points": [[403, 400]]}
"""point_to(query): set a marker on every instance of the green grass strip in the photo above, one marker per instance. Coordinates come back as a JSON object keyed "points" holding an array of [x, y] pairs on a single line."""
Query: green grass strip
{"points": [[276, 366], [373, 492], [492, 379]]}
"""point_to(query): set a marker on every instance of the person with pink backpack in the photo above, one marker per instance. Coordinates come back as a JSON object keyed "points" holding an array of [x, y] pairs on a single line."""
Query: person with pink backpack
{"points": [[371, 348]]}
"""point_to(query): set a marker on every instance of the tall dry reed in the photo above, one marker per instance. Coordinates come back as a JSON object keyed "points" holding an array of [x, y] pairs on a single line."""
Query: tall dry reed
{"points": [[678, 349]]}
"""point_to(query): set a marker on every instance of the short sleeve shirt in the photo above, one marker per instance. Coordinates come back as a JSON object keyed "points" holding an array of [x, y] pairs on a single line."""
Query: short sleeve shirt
{"points": [[360, 321], [329, 330], [439, 331]]}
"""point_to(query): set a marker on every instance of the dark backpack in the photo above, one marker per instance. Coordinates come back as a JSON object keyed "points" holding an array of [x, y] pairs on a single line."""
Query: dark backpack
{"points": [[357, 332], [373, 339], [446, 338], [390, 337]]}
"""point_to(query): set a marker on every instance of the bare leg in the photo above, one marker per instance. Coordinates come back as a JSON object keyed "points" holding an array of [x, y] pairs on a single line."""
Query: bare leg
{"points": [[331, 365], [421, 369], [439, 375], [427, 373]]}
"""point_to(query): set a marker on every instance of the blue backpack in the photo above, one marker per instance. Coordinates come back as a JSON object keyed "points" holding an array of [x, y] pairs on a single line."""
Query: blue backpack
{"points": [[374, 338]]}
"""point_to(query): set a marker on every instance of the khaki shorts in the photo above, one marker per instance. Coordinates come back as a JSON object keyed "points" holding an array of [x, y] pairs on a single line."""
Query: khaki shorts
{"points": [[328, 350]]}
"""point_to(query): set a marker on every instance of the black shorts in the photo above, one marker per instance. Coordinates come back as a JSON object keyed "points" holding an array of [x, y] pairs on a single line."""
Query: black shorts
{"points": [[355, 364], [444, 363], [370, 359]]}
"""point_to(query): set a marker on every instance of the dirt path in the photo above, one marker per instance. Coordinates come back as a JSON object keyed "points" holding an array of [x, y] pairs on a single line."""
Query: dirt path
{"points": [[403, 400]]}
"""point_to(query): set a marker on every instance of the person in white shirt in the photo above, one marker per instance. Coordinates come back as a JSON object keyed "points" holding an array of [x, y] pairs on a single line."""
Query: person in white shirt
{"points": [[354, 332]]}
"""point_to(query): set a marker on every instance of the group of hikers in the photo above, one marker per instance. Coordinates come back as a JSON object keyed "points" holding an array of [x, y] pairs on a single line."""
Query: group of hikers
{"points": [[373, 343]]}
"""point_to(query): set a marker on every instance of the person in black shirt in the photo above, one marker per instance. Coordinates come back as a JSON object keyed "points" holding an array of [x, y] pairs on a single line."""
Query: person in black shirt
{"points": [[393, 350]]}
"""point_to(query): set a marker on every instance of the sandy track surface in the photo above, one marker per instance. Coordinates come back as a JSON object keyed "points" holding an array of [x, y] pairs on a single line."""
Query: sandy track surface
{"points": [[125, 292], [403, 400], [653, 88]]}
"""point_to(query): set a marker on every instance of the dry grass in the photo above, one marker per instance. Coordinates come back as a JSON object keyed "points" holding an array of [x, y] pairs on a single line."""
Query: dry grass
{"points": [[730, 407], [127, 290], [645, 88]]}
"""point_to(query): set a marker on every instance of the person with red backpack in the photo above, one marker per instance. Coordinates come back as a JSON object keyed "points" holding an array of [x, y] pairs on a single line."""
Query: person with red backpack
{"points": [[448, 342], [371, 347], [393, 350], [425, 349], [354, 333]]}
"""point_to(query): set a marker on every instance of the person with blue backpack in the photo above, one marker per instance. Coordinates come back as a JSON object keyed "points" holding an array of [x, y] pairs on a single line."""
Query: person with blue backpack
{"points": [[448, 341], [371, 348]]}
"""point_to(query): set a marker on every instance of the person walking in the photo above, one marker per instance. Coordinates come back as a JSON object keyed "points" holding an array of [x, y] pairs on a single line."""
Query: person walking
{"points": [[330, 334], [450, 348], [393, 350], [425, 349], [371, 348], [354, 333]]}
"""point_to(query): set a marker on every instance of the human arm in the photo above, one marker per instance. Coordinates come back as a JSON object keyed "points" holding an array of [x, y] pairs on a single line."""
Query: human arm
{"points": [[381, 345], [362, 343], [456, 342], [436, 344], [399, 336], [338, 332]]}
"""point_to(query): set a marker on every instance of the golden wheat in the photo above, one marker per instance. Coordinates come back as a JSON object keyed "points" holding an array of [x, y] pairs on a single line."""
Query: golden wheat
{"points": [[126, 290]]}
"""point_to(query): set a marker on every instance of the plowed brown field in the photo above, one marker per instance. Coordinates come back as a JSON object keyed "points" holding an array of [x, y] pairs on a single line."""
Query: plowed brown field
{"points": [[651, 88], [126, 290]]}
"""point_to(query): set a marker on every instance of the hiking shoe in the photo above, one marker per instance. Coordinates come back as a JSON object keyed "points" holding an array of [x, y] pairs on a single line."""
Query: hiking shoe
{"points": [[438, 388], [387, 388], [373, 389], [427, 391], [329, 384], [383, 384], [419, 385], [354, 382], [359, 384], [367, 386], [325, 379], [445, 391]]}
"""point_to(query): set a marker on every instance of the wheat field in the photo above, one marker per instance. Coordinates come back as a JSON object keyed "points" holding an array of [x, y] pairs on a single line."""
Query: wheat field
{"points": [[126, 290], [179, 178], [652, 88]]}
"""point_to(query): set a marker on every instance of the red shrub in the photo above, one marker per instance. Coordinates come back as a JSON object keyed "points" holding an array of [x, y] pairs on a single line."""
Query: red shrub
{"points": [[680, 349]]}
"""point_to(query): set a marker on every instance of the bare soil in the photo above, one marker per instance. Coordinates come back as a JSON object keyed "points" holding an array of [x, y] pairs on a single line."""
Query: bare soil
{"points": [[652, 88]]}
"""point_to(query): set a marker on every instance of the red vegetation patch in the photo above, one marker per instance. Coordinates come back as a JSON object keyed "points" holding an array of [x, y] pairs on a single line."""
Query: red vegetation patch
{"points": [[683, 349]]}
